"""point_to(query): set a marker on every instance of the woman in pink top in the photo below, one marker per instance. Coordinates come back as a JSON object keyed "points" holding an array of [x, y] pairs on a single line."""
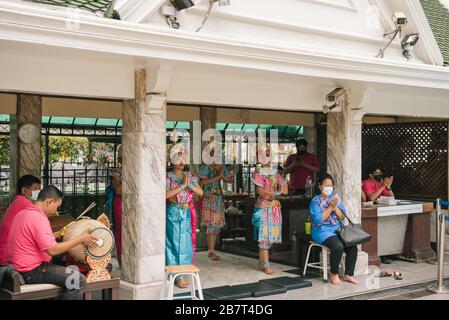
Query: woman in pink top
{"points": [[27, 189], [376, 185]]}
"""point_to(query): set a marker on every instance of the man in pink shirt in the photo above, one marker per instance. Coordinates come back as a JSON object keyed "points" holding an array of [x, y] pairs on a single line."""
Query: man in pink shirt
{"points": [[31, 246], [27, 186], [301, 165]]}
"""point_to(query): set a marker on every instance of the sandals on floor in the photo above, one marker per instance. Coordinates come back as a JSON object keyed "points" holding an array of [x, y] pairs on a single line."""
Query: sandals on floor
{"points": [[212, 256], [397, 275], [384, 274]]}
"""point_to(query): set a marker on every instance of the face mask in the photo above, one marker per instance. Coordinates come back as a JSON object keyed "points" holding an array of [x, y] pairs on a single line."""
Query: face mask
{"points": [[34, 194], [378, 178], [328, 191]]}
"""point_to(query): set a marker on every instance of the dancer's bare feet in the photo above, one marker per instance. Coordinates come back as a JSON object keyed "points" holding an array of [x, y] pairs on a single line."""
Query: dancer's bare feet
{"points": [[350, 279], [334, 279], [212, 256]]}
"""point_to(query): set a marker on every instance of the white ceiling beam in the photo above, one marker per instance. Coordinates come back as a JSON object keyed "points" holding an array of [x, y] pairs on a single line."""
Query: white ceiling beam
{"points": [[144, 41]]}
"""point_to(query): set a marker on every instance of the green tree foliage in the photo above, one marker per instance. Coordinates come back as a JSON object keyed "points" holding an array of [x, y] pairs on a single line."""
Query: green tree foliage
{"points": [[101, 152], [66, 149]]}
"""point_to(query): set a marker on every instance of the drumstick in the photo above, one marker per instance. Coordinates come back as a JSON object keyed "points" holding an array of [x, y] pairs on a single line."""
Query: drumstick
{"points": [[63, 230], [93, 204]]}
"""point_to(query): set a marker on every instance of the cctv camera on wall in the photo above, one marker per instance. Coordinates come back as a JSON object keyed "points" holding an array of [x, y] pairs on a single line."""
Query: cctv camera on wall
{"points": [[399, 19], [335, 95], [182, 4], [335, 98]]}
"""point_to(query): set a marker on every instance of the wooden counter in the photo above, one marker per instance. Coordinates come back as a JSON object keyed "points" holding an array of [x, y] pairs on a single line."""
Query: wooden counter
{"points": [[414, 233]]}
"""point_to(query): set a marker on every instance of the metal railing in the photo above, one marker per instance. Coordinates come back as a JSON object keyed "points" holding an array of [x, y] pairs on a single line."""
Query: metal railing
{"points": [[80, 187], [441, 219]]}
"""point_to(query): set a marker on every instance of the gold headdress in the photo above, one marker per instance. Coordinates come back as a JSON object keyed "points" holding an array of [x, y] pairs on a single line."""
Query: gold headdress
{"points": [[177, 151]]}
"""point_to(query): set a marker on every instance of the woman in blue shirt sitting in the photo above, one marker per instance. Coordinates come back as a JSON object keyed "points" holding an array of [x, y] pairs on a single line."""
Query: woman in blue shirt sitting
{"points": [[326, 212]]}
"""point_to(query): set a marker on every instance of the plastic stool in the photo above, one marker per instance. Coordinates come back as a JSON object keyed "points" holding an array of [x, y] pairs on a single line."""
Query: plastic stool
{"points": [[172, 272]]}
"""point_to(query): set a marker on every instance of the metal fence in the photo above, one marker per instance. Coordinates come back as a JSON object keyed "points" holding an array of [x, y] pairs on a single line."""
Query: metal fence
{"points": [[80, 186]]}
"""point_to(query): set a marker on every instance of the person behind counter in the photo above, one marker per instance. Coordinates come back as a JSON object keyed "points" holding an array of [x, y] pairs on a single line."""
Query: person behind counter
{"points": [[376, 185], [300, 166], [326, 212]]}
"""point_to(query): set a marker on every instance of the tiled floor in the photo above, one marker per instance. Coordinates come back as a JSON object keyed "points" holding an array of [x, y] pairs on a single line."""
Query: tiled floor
{"points": [[233, 270]]}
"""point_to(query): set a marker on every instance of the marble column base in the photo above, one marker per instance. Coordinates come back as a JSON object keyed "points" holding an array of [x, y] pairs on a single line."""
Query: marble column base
{"points": [[147, 291], [361, 267]]}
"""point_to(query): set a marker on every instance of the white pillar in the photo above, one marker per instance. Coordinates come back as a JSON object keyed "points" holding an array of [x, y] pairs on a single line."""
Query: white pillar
{"points": [[310, 134], [344, 157], [144, 166], [344, 163]]}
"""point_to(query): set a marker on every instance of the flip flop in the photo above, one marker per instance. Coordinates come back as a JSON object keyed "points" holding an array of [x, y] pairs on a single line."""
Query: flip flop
{"points": [[384, 274], [397, 275]]}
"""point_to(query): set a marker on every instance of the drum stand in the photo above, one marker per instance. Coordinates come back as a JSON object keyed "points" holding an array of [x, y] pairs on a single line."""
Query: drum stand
{"points": [[98, 271]]}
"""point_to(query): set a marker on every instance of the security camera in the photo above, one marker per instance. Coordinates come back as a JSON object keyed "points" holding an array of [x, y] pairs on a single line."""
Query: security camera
{"points": [[182, 4], [327, 109], [399, 19], [335, 95], [222, 3]]}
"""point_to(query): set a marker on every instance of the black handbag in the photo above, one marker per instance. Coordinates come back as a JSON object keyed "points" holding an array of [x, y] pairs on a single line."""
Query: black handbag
{"points": [[352, 234]]}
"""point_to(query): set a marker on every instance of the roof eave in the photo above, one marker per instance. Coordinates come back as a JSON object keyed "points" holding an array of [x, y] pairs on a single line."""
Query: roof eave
{"points": [[138, 40]]}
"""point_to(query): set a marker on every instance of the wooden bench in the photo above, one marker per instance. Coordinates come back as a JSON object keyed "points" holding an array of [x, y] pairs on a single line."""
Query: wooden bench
{"points": [[11, 289]]}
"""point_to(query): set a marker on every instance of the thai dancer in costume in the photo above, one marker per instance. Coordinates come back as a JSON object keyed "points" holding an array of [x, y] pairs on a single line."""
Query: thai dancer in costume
{"points": [[212, 204], [267, 218], [180, 191]]}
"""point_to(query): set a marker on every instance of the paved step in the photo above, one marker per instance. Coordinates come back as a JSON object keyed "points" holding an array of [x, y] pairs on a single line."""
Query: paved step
{"points": [[405, 292]]}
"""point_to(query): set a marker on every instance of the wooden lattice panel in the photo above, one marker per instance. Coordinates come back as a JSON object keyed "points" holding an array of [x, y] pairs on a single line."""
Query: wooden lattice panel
{"points": [[414, 153]]}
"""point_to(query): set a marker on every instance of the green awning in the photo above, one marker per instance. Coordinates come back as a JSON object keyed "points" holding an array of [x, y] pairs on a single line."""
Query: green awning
{"points": [[285, 133], [4, 118], [101, 7], [84, 121], [107, 122]]}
